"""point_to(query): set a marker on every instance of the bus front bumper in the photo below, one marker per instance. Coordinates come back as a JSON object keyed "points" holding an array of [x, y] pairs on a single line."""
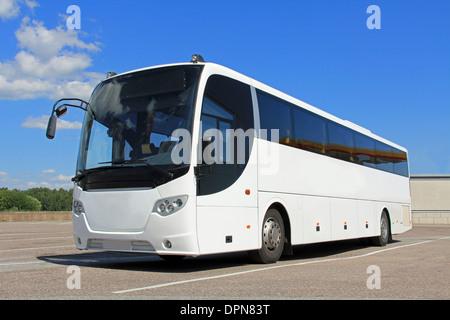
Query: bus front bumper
{"points": [[159, 236]]}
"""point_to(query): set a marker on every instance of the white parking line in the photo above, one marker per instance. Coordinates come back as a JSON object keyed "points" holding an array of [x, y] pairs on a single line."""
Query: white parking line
{"points": [[271, 268], [20, 263], [29, 234], [27, 239], [36, 248]]}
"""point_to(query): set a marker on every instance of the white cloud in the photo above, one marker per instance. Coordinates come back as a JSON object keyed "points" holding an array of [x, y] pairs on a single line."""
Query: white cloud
{"points": [[62, 177], [47, 178], [9, 9], [52, 63], [31, 4], [56, 67], [42, 122], [35, 37]]}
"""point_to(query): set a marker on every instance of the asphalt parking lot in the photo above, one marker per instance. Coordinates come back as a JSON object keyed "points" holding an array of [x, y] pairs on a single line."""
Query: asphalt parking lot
{"points": [[39, 261]]}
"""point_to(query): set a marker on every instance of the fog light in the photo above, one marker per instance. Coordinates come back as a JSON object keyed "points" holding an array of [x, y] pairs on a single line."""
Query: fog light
{"points": [[167, 244]]}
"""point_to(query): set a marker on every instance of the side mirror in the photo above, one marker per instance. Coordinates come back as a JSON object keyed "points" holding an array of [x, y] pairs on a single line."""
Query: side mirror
{"points": [[60, 111], [51, 127]]}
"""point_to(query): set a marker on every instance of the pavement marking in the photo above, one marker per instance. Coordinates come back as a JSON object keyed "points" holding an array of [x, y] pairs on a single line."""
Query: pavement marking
{"points": [[30, 233], [272, 268], [19, 263], [35, 248], [27, 239]]}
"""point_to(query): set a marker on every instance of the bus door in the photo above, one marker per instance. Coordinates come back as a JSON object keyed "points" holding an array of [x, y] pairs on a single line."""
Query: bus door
{"points": [[226, 173]]}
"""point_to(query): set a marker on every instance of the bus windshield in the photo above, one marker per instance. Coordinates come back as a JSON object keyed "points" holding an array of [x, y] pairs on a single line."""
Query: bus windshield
{"points": [[130, 118]]}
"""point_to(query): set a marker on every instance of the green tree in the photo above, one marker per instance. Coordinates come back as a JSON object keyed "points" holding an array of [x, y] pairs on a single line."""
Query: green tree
{"points": [[16, 200], [53, 200]]}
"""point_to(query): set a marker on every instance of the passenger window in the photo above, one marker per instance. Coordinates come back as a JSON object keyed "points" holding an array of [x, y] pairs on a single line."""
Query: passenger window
{"points": [[384, 157], [365, 150], [275, 114], [400, 162], [340, 142], [309, 131]]}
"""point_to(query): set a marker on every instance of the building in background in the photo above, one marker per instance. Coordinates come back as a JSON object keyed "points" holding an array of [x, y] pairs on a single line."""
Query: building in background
{"points": [[430, 199]]}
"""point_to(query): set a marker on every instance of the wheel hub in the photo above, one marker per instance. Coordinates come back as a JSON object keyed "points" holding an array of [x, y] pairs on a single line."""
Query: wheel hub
{"points": [[272, 234]]}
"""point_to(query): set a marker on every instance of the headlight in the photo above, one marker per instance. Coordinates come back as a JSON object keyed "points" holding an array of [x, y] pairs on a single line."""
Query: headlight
{"points": [[171, 205], [78, 207]]}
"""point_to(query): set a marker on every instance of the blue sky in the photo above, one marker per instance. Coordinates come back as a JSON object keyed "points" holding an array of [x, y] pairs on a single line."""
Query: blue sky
{"points": [[394, 81]]}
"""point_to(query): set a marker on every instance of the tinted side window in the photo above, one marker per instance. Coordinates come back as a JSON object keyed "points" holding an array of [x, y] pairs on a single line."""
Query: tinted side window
{"points": [[400, 162], [310, 131], [340, 142], [275, 114], [365, 150], [305, 130], [384, 157]]}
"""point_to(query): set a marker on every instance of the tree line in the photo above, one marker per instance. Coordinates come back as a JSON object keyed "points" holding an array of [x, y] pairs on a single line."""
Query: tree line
{"points": [[35, 199]]}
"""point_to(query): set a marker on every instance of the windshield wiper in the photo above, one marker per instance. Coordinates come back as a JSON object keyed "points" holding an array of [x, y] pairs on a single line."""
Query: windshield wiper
{"points": [[81, 175], [168, 174]]}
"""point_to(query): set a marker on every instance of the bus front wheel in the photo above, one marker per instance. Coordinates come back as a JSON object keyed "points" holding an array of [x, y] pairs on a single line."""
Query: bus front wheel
{"points": [[273, 237]]}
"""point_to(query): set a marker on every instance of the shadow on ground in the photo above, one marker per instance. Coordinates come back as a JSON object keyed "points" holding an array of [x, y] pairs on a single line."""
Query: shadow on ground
{"points": [[153, 263]]}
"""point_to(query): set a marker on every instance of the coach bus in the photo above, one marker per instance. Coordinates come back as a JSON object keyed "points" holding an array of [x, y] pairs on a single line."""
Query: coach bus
{"points": [[157, 171]]}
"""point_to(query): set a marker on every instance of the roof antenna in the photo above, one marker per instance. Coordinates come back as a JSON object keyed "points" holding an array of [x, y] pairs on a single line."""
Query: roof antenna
{"points": [[197, 58]]}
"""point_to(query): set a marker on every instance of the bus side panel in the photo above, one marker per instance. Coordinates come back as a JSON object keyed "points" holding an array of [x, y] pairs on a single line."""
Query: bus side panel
{"points": [[366, 218], [301, 172], [399, 215], [344, 218], [316, 219], [227, 229], [333, 192]]}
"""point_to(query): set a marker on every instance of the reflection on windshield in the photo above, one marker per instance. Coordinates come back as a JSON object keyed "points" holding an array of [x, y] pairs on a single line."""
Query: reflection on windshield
{"points": [[132, 117]]}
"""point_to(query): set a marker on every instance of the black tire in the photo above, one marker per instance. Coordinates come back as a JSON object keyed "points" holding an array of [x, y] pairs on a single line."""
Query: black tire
{"points": [[273, 237], [385, 232]]}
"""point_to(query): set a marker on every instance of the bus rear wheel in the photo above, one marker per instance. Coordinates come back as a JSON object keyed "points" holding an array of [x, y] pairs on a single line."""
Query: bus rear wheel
{"points": [[273, 237], [385, 232]]}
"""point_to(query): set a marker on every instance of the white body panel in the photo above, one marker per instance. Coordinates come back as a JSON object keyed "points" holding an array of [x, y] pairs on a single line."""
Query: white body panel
{"points": [[332, 193]]}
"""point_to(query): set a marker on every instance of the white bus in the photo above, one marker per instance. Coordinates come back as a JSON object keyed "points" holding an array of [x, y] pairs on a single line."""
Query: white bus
{"points": [[306, 177]]}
